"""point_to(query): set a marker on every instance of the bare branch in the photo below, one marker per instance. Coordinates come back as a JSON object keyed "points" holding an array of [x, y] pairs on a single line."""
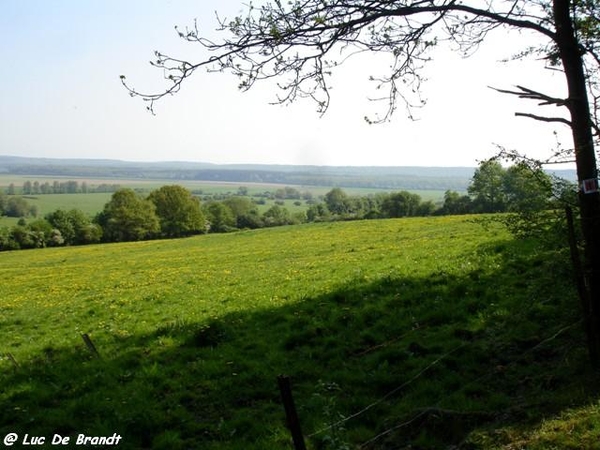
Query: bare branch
{"points": [[558, 156], [544, 119], [530, 94], [293, 41]]}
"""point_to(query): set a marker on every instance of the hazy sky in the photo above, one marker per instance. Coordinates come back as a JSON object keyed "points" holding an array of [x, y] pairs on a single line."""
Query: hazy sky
{"points": [[61, 96]]}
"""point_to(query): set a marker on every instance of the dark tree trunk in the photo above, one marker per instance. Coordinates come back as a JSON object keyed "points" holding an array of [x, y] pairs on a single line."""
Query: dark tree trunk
{"points": [[579, 108]]}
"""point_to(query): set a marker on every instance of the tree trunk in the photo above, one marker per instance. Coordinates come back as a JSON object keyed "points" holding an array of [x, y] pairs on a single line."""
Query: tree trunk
{"points": [[585, 157]]}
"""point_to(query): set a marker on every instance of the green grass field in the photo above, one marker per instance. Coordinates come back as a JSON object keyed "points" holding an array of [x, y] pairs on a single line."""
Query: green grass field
{"points": [[8, 221], [414, 332], [207, 187], [90, 204], [93, 203]]}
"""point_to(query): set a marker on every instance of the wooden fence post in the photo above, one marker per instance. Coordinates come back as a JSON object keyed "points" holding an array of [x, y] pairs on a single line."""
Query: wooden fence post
{"points": [[90, 345], [293, 422]]}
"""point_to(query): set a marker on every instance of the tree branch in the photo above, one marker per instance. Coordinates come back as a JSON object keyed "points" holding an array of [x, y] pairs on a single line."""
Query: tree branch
{"points": [[544, 119], [530, 94], [295, 38]]}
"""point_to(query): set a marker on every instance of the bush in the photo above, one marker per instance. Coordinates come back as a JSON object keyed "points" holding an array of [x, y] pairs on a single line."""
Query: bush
{"points": [[18, 207]]}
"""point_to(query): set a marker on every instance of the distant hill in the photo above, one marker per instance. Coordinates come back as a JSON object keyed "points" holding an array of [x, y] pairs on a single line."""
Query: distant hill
{"points": [[380, 177]]}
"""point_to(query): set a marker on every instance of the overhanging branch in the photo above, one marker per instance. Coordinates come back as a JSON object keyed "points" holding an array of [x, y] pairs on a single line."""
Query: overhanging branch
{"points": [[530, 94], [544, 119], [261, 44]]}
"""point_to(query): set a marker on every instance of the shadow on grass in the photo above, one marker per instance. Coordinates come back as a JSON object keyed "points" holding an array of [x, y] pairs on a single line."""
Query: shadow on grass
{"points": [[396, 362]]}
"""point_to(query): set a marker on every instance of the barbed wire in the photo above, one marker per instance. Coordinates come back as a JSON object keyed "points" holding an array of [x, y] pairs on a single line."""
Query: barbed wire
{"points": [[423, 411]]}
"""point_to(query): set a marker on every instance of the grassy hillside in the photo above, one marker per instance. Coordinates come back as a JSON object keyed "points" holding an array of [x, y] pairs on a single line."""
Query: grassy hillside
{"points": [[424, 332]]}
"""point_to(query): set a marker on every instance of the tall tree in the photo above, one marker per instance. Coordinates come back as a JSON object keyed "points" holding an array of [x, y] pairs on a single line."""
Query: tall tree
{"points": [[128, 217], [220, 217], [401, 204], [337, 201], [178, 211], [526, 188], [18, 207], [487, 187], [301, 42], [454, 203]]}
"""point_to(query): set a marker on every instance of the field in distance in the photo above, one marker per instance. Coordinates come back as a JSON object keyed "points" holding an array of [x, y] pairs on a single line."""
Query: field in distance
{"points": [[93, 203], [417, 332]]}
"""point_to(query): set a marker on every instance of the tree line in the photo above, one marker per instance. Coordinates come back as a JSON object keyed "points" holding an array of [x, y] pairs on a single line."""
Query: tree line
{"points": [[174, 211], [60, 187]]}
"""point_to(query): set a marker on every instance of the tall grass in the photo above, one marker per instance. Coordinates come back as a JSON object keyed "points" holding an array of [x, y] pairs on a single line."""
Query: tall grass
{"points": [[422, 332]]}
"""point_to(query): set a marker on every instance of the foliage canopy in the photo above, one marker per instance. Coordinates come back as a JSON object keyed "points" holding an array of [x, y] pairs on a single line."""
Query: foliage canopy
{"points": [[178, 211], [128, 217]]}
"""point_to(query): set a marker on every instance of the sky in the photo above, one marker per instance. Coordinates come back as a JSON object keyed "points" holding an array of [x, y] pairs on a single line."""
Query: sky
{"points": [[61, 96]]}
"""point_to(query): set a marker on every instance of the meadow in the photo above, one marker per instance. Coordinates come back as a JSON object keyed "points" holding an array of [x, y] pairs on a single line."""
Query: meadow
{"points": [[92, 203], [406, 333]]}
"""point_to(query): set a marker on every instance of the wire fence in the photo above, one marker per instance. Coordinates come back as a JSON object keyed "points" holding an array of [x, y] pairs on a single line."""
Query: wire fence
{"points": [[435, 408]]}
